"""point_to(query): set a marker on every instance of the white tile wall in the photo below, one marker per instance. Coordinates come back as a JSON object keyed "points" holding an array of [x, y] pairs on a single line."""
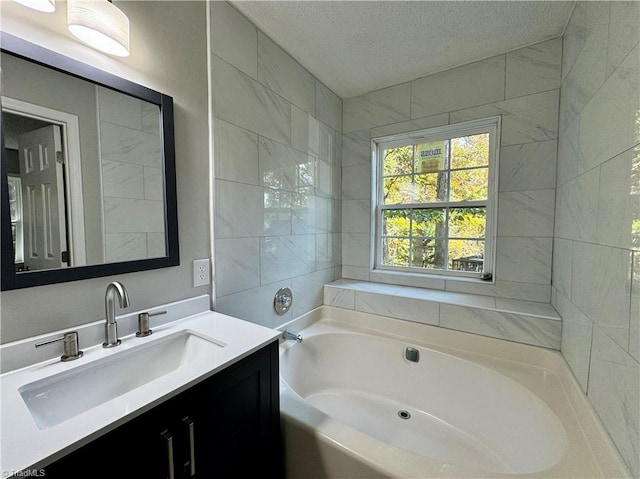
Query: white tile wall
{"points": [[119, 109], [634, 325], [534, 69], [526, 213], [524, 259], [156, 246], [619, 201], [614, 390], [142, 216], [283, 75], [377, 108], [523, 87], [521, 321], [577, 208], [525, 119], [478, 83], [612, 109], [277, 162], [132, 178], [125, 144], [398, 307], [514, 327], [243, 101], [416, 124], [624, 32], [122, 180], [328, 107], [283, 257], [237, 265], [595, 267], [234, 38], [577, 330], [125, 246], [153, 183], [530, 166], [235, 153], [600, 287]]}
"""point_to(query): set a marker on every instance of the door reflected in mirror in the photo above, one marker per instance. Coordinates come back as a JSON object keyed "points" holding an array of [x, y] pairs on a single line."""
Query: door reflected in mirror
{"points": [[86, 170]]}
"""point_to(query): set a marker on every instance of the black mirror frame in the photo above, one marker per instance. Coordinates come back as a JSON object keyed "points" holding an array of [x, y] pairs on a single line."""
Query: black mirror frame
{"points": [[9, 278]]}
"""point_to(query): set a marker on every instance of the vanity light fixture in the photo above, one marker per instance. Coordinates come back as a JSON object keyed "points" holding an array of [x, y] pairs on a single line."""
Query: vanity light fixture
{"points": [[99, 24], [47, 6]]}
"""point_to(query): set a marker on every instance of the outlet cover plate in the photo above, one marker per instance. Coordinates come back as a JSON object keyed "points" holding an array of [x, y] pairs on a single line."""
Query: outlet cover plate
{"points": [[201, 274]]}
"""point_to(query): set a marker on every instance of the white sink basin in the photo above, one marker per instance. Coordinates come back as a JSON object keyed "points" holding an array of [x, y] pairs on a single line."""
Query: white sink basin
{"points": [[57, 398]]}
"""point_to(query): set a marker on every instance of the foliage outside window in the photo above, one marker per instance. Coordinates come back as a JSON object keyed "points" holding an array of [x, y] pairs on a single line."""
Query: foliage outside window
{"points": [[435, 202]]}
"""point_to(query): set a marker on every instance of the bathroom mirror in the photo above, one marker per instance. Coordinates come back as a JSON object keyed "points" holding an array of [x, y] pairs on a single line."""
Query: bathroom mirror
{"points": [[88, 171]]}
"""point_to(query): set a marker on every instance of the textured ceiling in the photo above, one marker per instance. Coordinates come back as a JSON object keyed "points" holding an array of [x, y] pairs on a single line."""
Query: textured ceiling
{"points": [[355, 47]]}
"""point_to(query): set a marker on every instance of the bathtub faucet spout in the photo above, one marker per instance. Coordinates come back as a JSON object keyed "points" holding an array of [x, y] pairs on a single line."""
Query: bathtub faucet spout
{"points": [[288, 334]]}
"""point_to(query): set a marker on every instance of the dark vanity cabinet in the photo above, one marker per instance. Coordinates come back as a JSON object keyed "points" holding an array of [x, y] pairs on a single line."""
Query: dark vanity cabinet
{"points": [[224, 427]]}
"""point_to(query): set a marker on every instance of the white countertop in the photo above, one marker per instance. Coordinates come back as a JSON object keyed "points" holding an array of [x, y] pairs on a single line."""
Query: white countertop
{"points": [[25, 445]]}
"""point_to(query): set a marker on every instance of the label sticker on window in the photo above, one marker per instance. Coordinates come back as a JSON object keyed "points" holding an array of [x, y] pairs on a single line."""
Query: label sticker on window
{"points": [[430, 157]]}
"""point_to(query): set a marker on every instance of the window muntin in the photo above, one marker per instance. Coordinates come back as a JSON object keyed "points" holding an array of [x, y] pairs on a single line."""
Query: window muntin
{"points": [[436, 200]]}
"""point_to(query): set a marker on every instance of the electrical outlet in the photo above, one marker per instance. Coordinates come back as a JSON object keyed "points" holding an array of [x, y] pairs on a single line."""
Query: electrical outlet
{"points": [[200, 272]]}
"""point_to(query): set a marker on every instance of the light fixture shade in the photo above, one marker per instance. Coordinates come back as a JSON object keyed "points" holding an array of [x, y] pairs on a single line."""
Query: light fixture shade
{"points": [[47, 6], [99, 24]]}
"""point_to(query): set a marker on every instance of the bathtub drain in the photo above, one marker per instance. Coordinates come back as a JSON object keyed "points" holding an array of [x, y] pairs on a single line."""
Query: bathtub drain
{"points": [[404, 414]]}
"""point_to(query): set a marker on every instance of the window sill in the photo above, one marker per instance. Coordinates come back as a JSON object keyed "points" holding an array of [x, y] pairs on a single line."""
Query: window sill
{"points": [[422, 280], [516, 320]]}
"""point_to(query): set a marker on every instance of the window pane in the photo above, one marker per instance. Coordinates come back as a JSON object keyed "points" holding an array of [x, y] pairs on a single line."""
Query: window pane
{"points": [[431, 157], [470, 151], [428, 253], [466, 255], [395, 251], [467, 222], [398, 161], [398, 189], [469, 184], [428, 222], [396, 222], [432, 188]]}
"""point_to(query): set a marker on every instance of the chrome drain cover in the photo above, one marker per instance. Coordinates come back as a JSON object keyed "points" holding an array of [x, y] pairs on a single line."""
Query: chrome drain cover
{"points": [[404, 414]]}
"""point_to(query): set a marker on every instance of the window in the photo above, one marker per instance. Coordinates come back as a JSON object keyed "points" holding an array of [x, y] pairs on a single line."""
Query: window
{"points": [[435, 200]]}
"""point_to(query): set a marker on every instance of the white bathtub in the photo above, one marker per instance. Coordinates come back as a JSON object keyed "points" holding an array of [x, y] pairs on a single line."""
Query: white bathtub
{"points": [[354, 406]]}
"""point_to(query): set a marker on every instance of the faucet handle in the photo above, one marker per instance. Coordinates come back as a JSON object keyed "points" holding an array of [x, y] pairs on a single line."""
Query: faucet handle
{"points": [[143, 323], [71, 346]]}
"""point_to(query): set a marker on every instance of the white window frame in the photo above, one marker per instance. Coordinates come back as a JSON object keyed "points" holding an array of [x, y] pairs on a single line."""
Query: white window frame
{"points": [[490, 125]]}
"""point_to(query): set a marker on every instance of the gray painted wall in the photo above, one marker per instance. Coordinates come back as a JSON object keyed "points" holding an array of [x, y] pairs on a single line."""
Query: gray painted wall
{"points": [[168, 54]]}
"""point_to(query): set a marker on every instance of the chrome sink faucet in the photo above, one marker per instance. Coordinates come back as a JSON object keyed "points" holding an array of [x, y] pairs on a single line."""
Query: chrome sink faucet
{"points": [[111, 326]]}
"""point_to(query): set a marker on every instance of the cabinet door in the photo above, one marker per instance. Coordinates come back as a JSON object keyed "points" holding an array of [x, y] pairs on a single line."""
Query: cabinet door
{"points": [[237, 420], [133, 450]]}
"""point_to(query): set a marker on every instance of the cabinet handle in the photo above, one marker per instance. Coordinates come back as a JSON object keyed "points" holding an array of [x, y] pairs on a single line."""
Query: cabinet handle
{"points": [[169, 440], [192, 443]]}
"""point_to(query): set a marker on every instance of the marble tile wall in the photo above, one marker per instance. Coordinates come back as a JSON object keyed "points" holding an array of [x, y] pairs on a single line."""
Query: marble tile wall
{"points": [[522, 86], [131, 170], [596, 261], [277, 162], [511, 319]]}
